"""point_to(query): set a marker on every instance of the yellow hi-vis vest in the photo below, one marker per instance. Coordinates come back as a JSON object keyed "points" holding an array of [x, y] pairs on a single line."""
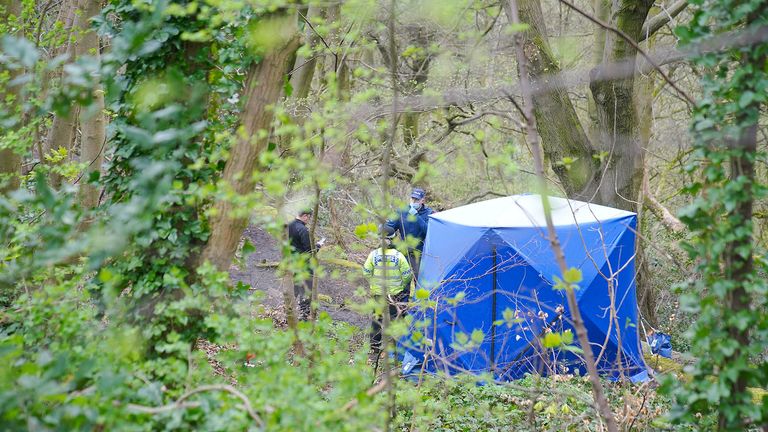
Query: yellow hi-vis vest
{"points": [[397, 275]]}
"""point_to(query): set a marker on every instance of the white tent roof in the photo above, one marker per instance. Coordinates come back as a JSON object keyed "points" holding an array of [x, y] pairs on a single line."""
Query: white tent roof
{"points": [[519, 211]]}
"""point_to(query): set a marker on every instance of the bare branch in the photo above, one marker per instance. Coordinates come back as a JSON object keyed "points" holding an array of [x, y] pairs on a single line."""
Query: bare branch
{"points": [[665, 216], [568, 79], [376, 389], [634, 45], [483, 195], [319, 36], [662, 18], [180, 404]]}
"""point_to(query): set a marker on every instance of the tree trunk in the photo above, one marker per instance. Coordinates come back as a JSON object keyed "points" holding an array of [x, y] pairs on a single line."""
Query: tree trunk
{"points": [[93, 127], [304, 68], [10, 162], [602, 12], [603, 407], [263, 88], [646, 297], [562, 135], [63, 126], [616, 112]]}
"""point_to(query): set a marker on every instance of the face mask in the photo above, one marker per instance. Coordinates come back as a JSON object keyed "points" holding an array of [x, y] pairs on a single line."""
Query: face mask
{"points": [[413, 209]]}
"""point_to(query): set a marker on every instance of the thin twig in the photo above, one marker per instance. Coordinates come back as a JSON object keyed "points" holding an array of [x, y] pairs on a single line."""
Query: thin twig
{"points": [[314, 30], [531, 132], [376, 389]]}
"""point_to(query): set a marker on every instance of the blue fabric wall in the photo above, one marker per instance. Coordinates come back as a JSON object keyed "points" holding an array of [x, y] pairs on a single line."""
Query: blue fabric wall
{"points": [[460, 259]]}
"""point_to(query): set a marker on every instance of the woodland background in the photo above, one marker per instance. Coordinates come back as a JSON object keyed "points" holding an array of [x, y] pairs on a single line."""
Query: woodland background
{"points": [[142, 139]]}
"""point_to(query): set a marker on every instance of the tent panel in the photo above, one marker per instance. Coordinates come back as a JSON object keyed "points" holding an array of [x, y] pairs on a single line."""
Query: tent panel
{"points": [[531, 303], [471, 276], [459, 257], [596, 304], [445, 247], [527, 211], [585, 247]]}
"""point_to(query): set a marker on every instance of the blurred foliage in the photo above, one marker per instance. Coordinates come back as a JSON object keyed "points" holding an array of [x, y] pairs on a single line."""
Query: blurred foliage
{"points": [[107, 312], [728, 294]]}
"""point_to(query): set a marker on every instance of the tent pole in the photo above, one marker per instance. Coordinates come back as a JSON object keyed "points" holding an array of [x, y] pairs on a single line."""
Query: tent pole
{"points": [[493, 312]]}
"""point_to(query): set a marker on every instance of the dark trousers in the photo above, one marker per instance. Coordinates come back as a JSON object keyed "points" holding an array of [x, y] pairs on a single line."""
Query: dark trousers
{"points": [[394, 309], [302, 291], [414, 260]]}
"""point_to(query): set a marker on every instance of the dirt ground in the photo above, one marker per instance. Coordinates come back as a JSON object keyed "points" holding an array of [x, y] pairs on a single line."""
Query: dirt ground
{"points": [[338, 289]]}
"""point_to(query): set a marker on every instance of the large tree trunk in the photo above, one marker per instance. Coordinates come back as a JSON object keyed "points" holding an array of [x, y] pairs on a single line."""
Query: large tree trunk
{"points": [[417, 74], [263, 88], [646, 295], [63, 127], [304, 68], [562, 135], [93, 127], [616, 111], [10, 162], [738, 268]]}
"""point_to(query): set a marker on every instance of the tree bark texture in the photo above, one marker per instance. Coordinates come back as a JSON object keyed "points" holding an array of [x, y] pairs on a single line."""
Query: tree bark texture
{"points": [[64, 126], [304, 68], [10, 162], [617, 180], [658, 21], [263, 89], [562, 135], [93, 127], [616, 111]]}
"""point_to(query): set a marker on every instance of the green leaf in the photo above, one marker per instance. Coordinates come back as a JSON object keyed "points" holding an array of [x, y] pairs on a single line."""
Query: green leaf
{"points": [[572, 276], [552, 340], [509, 316], [572, 348], [422, 294], [362, 230], [746, 99], [477, 336], [461, 338], [567, 337]]}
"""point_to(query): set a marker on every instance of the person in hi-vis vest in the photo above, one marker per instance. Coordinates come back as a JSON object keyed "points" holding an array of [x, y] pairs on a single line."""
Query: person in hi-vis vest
{"points": [[389, 273]]}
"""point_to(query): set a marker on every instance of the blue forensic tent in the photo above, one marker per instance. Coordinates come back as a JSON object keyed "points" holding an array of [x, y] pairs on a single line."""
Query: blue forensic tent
{"points": [[496, 256]]}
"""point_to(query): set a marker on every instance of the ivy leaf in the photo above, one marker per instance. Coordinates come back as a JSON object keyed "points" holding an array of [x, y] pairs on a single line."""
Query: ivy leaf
{"points": [[21, 49]]}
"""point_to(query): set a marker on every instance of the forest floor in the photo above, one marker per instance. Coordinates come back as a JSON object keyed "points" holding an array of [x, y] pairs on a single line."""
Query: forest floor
{"points": [[336, 289]]}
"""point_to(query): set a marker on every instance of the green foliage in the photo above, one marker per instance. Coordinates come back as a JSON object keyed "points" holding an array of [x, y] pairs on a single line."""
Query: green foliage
{"points": [[570, 279], [556, 340], [728, 296], [106, 311]]}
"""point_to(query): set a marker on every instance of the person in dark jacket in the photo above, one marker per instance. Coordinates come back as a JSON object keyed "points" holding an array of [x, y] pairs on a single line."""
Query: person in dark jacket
{"points": [[301, 246], [412, 223]]}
